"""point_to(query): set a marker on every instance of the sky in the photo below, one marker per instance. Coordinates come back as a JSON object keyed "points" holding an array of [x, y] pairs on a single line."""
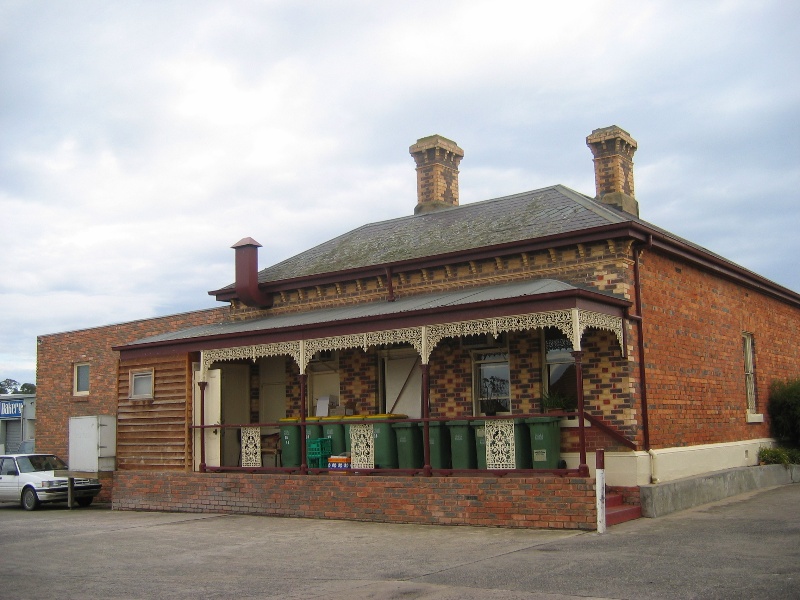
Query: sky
{"points": [[140, 140]]}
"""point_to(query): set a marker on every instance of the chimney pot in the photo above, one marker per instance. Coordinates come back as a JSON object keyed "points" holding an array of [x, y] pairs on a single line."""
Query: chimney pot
{"points": [[613, 149], [437, 161]]}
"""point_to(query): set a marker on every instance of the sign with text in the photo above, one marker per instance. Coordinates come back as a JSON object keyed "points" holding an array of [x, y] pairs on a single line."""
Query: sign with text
{"points": [[10, 409]]}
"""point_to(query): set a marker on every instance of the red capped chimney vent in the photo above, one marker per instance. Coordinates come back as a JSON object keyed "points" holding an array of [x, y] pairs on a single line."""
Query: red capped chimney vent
{"points": [[246, 285]]}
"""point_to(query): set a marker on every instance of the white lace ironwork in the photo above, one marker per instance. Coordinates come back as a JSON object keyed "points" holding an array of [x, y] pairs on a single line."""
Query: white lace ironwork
{"points": [[292, 348], [362, 446], [500, 446], [251, 446], [573, 323]]}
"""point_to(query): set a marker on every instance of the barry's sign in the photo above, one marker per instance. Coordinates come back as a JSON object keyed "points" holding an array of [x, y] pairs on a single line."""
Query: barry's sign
{"points": [[10, 409]]}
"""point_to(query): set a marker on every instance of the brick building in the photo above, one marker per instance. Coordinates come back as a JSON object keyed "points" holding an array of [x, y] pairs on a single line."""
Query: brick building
{"points": [[486, 314]]}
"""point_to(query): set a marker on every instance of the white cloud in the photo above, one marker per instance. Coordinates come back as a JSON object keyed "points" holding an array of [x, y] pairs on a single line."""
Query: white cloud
{"points": [[141, 140]]}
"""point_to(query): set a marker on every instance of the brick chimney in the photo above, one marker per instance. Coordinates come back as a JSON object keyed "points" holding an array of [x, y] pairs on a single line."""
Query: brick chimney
{"points": [[437, 161], [613, 150]]}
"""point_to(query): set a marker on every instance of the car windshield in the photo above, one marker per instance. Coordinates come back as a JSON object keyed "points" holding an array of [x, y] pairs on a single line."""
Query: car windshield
{"points": [[39, 462]]}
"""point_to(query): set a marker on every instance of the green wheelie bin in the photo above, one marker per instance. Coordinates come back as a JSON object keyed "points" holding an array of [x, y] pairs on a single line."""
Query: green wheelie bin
{"points": [[313, 431], [333, 429], [409, 445], [347, 420], [384, 440], [479, 427], [545, 439], [462, 444], [439, 443], [290, 442]]}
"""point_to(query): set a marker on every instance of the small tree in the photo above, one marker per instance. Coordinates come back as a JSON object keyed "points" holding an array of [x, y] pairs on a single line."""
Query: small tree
{"points": [[9, 386], [784, 411], [12, 386]]}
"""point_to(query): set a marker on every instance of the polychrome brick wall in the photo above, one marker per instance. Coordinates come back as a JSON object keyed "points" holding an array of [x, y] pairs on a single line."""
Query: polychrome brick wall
{"points": [[545, 502], [450, 380], [358, 380]]}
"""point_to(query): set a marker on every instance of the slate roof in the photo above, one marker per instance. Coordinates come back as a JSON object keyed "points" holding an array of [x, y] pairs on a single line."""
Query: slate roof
{"points": [[403, 305], [529, 215]]}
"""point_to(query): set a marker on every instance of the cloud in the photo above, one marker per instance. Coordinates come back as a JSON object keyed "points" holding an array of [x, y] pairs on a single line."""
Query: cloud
{"points": [[141, 140]]}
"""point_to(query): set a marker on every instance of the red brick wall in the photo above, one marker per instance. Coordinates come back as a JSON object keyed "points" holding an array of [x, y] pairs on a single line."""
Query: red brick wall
{"points": [[693, 324], [545, 501], [56, 355]]}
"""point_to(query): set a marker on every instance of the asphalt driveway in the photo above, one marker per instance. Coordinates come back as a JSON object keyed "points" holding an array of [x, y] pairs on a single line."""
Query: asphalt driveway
{"points": [[743, 547]]}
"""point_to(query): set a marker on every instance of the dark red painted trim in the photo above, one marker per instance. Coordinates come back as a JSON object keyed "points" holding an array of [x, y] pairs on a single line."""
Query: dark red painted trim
{"points": [[202, 385], [583, 467], [637, 284]]}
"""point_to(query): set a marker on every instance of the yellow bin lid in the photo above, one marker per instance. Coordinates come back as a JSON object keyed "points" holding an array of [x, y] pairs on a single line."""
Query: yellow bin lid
{"points": [[386, 416]]}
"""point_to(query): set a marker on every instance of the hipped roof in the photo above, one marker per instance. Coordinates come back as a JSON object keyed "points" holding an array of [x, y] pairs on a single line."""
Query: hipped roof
{"points": [[553, 215]]}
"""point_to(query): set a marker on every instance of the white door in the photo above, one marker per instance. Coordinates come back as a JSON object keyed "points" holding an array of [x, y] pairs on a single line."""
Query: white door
{"points": [[9, 480], [212, 416], [403, 385], [235, 405], [323, 380]]}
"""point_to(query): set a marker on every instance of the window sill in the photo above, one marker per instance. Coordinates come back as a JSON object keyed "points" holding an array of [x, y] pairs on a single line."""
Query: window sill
{"points": [[754, 418], [144, 399], [573, 422]]}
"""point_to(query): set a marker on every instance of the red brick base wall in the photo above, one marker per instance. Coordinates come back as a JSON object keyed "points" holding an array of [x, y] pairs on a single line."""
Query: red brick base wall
{"points": [[544, 502]]}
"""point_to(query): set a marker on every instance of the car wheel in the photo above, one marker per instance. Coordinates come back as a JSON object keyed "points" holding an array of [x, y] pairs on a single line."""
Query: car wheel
{"points": [[29, 499], [84, 501]]}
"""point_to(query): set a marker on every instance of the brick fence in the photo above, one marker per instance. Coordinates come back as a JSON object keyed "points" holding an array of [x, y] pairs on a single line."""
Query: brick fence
{"points": [[544, 502]]}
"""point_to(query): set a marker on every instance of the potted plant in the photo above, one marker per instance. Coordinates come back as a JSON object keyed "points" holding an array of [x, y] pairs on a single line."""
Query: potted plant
{"points": [[491, 406], [553, 401]]}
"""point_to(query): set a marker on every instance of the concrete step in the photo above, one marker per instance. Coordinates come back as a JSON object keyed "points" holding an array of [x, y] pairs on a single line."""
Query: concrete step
{"points": [[618, 512]]}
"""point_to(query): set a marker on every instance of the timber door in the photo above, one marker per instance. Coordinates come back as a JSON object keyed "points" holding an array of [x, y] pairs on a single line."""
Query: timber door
{"points": [[235, 409], [273, 391], [402, 378]]}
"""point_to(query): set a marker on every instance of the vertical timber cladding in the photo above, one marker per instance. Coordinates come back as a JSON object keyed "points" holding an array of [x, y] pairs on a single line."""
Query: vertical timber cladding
{"points": [[152, 432]]}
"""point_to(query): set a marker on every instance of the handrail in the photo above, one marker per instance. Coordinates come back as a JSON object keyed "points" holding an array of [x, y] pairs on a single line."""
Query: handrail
{"points": [[610, 431], [596, 421], [371, 419]]}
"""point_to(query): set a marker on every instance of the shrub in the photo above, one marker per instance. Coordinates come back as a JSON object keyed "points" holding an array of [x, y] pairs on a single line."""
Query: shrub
{"points": [[773, 456], [784, 411]]}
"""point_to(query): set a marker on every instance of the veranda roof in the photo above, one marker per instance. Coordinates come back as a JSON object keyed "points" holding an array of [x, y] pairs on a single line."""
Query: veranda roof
{"points": [[454, 306]]}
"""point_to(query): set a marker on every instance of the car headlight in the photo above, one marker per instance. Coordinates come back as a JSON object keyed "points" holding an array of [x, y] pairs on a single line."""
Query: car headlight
{"points": [[53, 483]]}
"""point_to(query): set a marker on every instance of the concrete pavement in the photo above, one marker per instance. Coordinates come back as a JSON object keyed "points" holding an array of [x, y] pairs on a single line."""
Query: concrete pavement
{"points": [[747, 546]]}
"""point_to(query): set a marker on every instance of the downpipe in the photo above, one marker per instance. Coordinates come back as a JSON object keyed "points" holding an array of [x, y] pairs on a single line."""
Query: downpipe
{"points": [[653, 471]]}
